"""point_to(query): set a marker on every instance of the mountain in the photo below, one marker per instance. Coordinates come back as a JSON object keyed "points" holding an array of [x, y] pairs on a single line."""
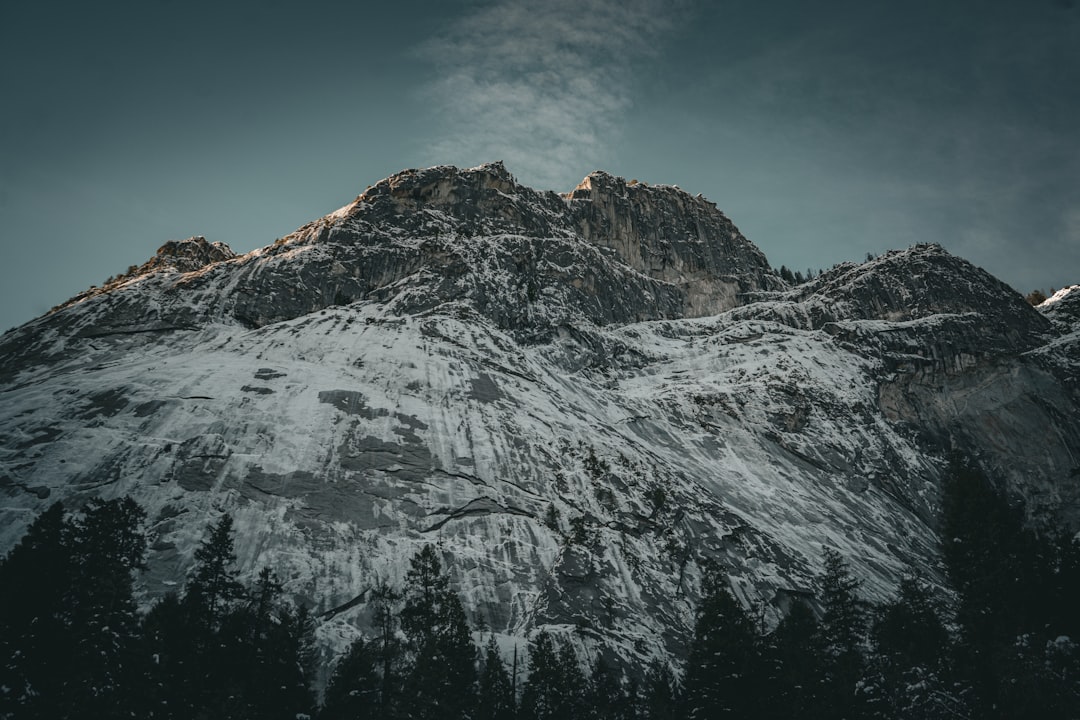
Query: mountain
{"points": [[580, 399]]}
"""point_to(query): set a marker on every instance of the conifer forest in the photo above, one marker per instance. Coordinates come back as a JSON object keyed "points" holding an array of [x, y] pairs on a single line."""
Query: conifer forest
{"points": [[994, 637]]}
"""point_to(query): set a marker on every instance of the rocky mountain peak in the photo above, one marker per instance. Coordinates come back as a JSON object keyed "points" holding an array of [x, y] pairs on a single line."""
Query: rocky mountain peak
{"points": [[661, 232], [469, 201], [920, 282], [610, 251], [585, 400], [188, 255]]}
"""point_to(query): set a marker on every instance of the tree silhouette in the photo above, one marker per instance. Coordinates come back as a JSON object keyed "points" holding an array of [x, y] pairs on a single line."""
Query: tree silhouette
{"points": [[555, 686], [353, 690], [34, 642], [213, 587], [441, 680], [495, 696], [794, 661], [843, 630], [722, 672]]}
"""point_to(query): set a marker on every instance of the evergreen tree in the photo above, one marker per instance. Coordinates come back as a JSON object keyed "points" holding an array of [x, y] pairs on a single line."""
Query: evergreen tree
{"points": [[555, 687], [172, 674], [990, 559], [540, 696], [389, 654], [1041, 679], [1001, 577], [441, 681], [1017, 594], [298, 647], [495, 697], [660, 698], [220, 650], [794, 660], [909, 671], [604, 696], [722, 672], [633, 701], [574, 684], [909, 630], [213, 679], [1064, 585], [213, 588], [267, 641], [69, 627], [34, 640], [109, 546], [843, 629], [353, 690]]}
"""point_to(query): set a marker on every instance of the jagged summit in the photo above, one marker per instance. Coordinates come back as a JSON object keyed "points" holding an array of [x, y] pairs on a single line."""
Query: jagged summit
{"points": [[530, 261], [188, 255]]}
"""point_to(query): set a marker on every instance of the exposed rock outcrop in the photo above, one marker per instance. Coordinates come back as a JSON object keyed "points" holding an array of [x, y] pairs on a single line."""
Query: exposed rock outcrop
{"points": [[669, 235]]}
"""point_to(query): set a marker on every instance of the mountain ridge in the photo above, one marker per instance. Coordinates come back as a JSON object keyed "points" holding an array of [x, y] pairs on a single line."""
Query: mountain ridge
{"points": [[452, 356]]}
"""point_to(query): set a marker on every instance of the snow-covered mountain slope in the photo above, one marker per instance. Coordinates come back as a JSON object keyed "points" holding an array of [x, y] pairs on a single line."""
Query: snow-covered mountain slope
{"points": [[580, 399]]}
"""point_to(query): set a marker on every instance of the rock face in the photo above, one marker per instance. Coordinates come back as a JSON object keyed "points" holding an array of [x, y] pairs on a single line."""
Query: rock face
{"points": [[579, 399], [674, 238]]}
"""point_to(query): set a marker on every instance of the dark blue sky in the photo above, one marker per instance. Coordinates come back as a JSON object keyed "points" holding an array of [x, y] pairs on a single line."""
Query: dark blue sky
{"points": [[824, 130]]}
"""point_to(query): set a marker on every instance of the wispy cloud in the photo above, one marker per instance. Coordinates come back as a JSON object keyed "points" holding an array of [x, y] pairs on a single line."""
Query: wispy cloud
{"points": [[540, 84]]}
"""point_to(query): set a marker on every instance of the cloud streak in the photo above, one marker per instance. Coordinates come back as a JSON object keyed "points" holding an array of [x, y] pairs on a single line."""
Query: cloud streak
{"points": [[542, 84]]}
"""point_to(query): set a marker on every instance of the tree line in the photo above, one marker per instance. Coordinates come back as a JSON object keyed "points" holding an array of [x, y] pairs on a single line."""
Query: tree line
{"points": [[73, 644]]}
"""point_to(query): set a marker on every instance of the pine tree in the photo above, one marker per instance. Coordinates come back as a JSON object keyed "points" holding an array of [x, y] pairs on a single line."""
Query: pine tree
{"points": [[843, 628], [555, 687], [389, 654], [69, 628], [722, 672], [109, 546], [353, 690], [298, 651], [909, 671], [909, 630], [441, 681], [34, 640], [794, 659], [604, 696], [990, 559], [574, 684], [267, 641], [495, 697], [1041, 679], [660, 697], [172, 674], [213, 587], [1016, 596], [212, 631]]}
